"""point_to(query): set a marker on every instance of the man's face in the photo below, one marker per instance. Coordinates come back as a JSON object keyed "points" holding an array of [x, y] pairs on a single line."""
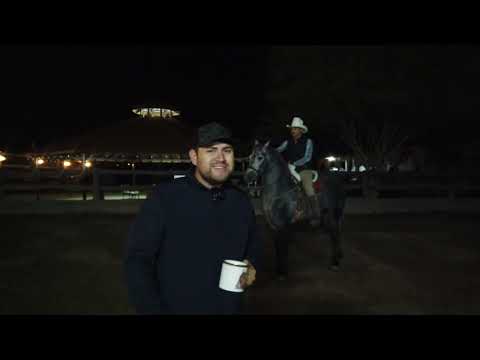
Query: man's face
{"points": [[296, 132], [214, 164]]}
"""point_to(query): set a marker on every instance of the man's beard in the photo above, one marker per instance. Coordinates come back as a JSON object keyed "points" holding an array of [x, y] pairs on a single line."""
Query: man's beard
{"points": [[207, 176]]}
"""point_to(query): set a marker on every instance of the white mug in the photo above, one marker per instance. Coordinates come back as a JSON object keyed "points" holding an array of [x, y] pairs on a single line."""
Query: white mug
{"points": [[232, 270]]}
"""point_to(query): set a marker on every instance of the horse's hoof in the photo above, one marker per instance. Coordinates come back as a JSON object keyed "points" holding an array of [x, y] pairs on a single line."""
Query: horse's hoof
{"points": [[335, 267]]}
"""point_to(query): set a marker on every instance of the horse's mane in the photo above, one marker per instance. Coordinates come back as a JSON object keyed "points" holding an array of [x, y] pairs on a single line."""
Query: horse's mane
{"points": [[276, 157]]}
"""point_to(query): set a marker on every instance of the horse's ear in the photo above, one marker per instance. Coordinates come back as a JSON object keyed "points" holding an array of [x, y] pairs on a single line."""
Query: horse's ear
{"points": [[256, 142], [266, 145]]}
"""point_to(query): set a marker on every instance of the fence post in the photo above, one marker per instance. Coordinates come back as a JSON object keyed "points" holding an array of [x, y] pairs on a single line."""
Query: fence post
{"points": [[2, 176], [97, 192], [134, 182]]}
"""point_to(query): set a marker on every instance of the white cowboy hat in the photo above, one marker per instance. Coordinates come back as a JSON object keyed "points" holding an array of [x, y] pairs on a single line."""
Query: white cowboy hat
{"points": [[298, 122]]}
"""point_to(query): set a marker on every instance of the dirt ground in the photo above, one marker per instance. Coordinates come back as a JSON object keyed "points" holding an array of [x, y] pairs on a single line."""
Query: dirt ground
{"points": [[394, 264]]}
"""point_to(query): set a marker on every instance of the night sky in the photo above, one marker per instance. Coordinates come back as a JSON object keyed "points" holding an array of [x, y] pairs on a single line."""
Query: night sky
{"points": [[56, 90], [52, 90]]}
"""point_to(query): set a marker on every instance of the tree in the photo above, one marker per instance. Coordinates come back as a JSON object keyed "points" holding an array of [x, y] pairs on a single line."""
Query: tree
{"points": [[368, 97], [374, 143]]}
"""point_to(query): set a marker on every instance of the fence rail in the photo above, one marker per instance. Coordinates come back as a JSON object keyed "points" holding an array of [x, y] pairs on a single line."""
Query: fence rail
{"points": [[403, 184]]}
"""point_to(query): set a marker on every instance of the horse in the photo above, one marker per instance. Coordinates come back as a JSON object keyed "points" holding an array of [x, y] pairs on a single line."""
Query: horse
{"points": [[284, 203]]}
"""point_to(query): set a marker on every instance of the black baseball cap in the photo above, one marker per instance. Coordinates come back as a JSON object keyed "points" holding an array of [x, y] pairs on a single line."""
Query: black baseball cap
{"points": [[212, 133]]}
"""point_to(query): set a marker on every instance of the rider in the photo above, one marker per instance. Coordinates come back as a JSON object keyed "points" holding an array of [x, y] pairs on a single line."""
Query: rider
{"points": [[298, 151]]}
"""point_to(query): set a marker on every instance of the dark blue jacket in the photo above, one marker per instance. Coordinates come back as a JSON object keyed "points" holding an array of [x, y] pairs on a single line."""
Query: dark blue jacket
{"points": [[178, 242], [299, 154]]}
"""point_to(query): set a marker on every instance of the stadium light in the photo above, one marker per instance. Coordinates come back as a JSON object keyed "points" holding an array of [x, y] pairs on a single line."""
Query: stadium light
{"points": [[156, 112]]}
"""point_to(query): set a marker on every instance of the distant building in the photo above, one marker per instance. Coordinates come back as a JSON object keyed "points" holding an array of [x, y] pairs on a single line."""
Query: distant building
{"points": [[143, 139]]}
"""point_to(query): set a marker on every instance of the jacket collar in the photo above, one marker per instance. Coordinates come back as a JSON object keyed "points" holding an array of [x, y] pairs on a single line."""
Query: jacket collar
{"points": [[197, 185]]}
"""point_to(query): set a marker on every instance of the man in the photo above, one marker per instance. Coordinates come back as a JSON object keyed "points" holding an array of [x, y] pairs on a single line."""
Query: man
{"points": [[298, 152], [186, 230]]}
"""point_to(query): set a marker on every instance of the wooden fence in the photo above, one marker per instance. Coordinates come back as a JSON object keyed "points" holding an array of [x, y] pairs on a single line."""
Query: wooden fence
{"points": [[387, 185]]}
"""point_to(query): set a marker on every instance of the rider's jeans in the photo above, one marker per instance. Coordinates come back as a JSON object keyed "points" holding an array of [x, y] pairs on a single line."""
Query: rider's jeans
{"points": [[307, 183]]}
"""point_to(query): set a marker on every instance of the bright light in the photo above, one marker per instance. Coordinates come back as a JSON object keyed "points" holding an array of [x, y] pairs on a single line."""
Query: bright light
{"points": [[330, 158], [39, 161], [67, 163], [156, 112], [88, 164], [2, 158]]}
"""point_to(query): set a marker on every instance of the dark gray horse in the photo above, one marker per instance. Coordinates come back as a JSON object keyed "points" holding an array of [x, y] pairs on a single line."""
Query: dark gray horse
{"points": [[284, 203]]}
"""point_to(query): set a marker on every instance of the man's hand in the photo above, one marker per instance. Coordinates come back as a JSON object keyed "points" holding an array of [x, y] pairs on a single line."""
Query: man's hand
{"points": [[248, 277]]}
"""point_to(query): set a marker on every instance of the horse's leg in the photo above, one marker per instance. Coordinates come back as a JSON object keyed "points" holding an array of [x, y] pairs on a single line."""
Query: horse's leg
{"points": [[338, 214], [333, 218], [281, 240], [316, 212]]}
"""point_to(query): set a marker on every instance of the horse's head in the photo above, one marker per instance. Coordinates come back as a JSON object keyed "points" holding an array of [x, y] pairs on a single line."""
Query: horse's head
{"points": [[256, 162]]}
